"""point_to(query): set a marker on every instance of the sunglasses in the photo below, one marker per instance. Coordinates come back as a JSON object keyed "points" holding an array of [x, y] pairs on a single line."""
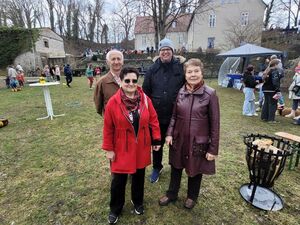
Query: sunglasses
{"points": [[127, 81]]}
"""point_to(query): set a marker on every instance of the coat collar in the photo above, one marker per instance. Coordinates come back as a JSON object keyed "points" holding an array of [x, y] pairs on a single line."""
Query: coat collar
{"points": [[200, 91], [110, 78]]}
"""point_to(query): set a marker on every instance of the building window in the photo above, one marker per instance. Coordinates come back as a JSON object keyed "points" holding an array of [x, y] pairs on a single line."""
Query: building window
{"points": [[244, 18], [144, 41], [174, 24], [46, 43], [180, 39], [212, 20], [211, 42]]}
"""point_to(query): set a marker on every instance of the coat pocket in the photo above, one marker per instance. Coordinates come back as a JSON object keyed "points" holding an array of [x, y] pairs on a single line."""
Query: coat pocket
{"points": [[200, 146]]}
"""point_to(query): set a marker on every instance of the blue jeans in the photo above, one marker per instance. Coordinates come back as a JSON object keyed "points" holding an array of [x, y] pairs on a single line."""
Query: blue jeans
{"points": [[249, 103]]}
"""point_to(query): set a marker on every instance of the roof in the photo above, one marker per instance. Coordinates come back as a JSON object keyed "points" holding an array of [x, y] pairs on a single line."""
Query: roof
{"points": [[145, 25], [249, 50]]}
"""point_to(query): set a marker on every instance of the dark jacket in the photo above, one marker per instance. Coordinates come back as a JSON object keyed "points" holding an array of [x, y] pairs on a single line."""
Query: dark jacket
{"points": [[195, 128], [272, 80], [249, 80], [162, 83], [68, 71]]}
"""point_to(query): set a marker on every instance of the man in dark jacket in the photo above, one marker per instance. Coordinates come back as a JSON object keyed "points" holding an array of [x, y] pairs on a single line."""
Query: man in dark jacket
{"points": [[162, 83], [68, 74]]}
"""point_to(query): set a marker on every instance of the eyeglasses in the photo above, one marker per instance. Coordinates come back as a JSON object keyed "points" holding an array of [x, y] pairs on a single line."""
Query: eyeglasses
{"points": [[165, 50], [134, 81]]}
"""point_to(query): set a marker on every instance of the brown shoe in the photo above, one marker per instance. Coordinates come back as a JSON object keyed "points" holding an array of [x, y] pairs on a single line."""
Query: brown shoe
{"points": [[189, 203], [165, 200]]}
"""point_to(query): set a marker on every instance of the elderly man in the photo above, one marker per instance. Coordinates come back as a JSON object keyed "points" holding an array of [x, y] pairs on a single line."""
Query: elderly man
{"points": [[108, 85], [162, 83]]}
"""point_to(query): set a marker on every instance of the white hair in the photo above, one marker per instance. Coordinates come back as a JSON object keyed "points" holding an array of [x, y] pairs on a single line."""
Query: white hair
{"points": [[114, 51]]}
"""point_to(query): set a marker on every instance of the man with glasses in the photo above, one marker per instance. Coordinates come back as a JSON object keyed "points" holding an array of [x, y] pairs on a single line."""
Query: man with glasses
{"points": [[162, 83], [108, 85]]}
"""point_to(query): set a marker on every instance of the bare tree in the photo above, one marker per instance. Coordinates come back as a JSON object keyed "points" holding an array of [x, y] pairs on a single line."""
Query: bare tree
{"points": [[3, 13], [104, 34], [126, 14], [15, 13], [269, 12], [60, 9], [236, 34], [293, 8], [165, 12], [51, 13]]}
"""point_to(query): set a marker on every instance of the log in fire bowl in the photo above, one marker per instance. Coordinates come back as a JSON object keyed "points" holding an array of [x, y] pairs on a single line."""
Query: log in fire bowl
{"points": [[266, 157]]}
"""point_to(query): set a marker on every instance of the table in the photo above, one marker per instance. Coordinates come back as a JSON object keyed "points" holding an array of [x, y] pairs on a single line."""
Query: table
{"points": [[235, 80], [47, 98], [296, 150]]}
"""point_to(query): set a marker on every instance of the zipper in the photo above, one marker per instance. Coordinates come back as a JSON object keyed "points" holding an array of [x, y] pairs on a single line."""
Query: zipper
{"points": [[191, 117]]}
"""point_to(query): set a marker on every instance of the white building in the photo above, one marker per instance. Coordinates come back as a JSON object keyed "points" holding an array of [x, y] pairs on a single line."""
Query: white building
{"points": [[215, 26], [48, 50]]}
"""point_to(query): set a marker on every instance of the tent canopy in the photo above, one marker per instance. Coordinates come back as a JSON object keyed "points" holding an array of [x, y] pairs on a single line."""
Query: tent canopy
{"points": [[248, 50]]}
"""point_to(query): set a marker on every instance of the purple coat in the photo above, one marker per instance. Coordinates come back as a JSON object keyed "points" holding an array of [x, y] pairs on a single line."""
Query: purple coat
{"points": [[195, 128]]}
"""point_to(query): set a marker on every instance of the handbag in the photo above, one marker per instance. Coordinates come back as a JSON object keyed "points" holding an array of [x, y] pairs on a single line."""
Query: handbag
{"points": [[296, 90]]}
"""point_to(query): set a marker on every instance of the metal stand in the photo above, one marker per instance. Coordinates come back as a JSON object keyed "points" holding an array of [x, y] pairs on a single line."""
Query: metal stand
{"points": [[47, 98], [264, 168], [49, 107]]}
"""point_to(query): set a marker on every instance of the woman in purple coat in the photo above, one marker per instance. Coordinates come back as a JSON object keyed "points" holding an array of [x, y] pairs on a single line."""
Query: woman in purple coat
{"points": [[193, 134]]}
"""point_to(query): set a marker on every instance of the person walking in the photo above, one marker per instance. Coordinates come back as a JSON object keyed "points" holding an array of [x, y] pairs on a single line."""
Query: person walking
{"points": [[90, 75], [109, 84], [193, 135], [68, 74], [127, 141], [162, 83]]}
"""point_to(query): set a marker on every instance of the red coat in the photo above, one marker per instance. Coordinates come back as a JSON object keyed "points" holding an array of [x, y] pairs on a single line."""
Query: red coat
{"points": [[131, 152]]}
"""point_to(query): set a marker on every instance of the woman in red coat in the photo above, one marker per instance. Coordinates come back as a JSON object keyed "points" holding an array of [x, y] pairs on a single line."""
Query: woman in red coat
{"points": [[193, 134], [126, 137]]}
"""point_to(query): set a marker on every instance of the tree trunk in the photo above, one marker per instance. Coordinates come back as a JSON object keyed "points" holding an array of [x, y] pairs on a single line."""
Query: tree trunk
{"points": [[51, 13]]}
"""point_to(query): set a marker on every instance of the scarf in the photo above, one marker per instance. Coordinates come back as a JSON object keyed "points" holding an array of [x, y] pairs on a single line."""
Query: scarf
{"points": [[195, 88], [131, 104]]}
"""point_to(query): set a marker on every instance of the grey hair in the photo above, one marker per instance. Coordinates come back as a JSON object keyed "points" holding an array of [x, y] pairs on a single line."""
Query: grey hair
{"points": [[112, 51]]}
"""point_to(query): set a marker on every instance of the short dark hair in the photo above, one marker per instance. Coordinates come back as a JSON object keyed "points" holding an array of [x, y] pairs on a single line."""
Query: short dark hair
{"points": [[127, 70]]}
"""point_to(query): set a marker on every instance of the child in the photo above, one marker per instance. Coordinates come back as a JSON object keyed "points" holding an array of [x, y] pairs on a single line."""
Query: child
{"points": [[20, 77]]}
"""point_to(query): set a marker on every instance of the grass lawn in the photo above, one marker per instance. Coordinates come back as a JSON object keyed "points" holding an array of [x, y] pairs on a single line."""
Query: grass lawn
{"points": [[54, 172]]}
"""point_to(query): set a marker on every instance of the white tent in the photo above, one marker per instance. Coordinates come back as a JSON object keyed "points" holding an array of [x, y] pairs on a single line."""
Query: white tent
{"points": [[244, 52]]}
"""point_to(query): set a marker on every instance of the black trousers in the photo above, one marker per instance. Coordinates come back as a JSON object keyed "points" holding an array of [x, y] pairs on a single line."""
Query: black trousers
{"points": [[194, 184], [158, 155], [69, 80], [269, 107], [118, 187]]}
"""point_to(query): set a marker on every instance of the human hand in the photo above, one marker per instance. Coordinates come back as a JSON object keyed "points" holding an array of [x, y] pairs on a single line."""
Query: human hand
{"points": [[155, 147], [169, 140], [210, 157], [110, 155]]}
